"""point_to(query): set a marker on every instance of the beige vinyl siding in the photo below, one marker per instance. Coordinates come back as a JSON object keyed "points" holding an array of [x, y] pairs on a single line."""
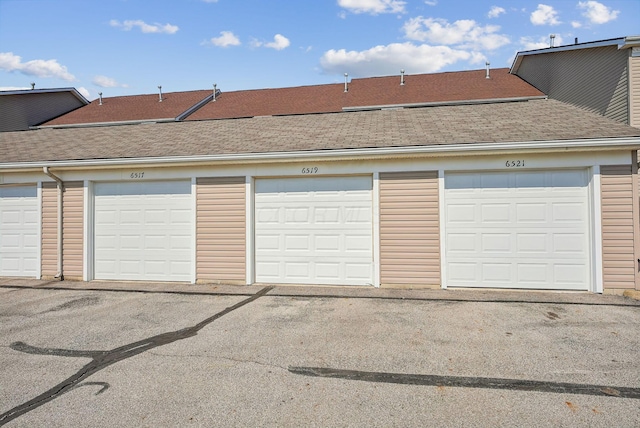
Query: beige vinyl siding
{"points": [[221, 230], [634, 91], [619, 266], [72, 230], [409, 229], [595, 79]]}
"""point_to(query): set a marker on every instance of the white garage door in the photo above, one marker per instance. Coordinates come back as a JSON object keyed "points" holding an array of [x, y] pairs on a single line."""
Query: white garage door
{"points": [[517, 230], [143, 231], [314, 230], [18, 231]]}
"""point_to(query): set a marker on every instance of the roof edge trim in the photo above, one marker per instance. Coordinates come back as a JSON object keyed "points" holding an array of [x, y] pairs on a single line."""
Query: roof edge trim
{"points": [[620, 42], [73, 91], [100, 124], [445, 103], [618, 142]]}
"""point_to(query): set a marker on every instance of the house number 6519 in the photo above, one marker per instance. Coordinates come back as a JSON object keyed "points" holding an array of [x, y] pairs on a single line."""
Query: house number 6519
{"points": [[310, 170]]}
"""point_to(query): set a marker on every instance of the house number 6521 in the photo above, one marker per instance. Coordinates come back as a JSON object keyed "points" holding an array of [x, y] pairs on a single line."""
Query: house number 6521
{"points": [[514, 163]]}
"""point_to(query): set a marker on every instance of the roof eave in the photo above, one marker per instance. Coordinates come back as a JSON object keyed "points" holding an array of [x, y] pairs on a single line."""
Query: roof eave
{"points": [[444, 103], [620, 42], [617, 143], [99, 124], [73, 92]]}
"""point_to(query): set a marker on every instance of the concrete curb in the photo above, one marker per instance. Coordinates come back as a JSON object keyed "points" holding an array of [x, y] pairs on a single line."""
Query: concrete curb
{"points": [[452, 295]]}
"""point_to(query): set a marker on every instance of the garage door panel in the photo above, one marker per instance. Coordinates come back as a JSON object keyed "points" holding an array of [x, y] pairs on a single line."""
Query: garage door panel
{"points": [[525, 234], [314, 230], [143, 231], [19, 237]]}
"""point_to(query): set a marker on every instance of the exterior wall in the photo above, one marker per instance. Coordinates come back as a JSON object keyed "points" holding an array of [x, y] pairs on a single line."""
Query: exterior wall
{"points": [[221, 230], [20, 111], [634, 88], [618, 249], [72, 230], [595, 79], [409, 229]]}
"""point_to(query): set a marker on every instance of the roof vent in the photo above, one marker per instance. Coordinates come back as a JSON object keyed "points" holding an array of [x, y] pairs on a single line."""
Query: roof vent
{"points": [[575, 42], [487, 64], [160, 94], [401, 77], [33, 85], [214, 91], [346, 87], [552, 38], [100, 95]]}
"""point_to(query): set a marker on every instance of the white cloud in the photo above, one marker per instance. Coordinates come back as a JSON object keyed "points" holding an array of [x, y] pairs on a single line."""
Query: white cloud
{"points": [[597, 13], [226, 39], [430, 2], [576, 24], [390, 59], [544, 15], [465, 33], [107, 82], [373, 7], [144, 27], [529, 43], [84, 92], [279, 42], [210, 1], [496, 11], [36, 67]]}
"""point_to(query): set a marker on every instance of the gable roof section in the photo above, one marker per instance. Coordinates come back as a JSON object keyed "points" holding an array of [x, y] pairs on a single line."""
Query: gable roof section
{"points": [[375, 92], [21, 109], [366, 93], [448, 87], [274, 102], [456, 128], [134, 108]]}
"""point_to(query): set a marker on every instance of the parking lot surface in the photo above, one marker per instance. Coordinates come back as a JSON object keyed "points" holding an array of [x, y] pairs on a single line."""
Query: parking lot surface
{"points": [[263, 356]]}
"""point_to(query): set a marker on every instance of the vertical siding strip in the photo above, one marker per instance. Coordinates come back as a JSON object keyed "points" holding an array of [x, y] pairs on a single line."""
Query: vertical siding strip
{"points": [[49, 233], [636, 213], [618, 247], [72, 230], [221, 230], [634, 91], [409, 229]]}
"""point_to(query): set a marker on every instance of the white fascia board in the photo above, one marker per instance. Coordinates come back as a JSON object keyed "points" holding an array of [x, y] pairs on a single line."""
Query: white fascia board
{"points": [[444, 103], [73, 91], [98, 124], [630, 143], [620, 42]]}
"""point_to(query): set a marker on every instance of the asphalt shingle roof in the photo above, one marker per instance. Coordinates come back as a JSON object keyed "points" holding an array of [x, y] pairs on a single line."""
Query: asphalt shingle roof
{"points": [[374, 91], [133, 108], [534, 120]]}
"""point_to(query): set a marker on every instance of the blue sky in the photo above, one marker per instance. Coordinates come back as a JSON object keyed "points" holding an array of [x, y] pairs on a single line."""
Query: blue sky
{"points": [[122, 47]]}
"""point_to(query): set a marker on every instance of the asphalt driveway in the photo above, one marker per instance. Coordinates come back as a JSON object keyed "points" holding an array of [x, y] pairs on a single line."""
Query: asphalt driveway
{"points": [[257, 356]]}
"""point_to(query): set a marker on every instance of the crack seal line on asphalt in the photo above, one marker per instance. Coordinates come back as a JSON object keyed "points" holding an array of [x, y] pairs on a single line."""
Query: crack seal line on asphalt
{"points": [[103, 359], [470, 382]]}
